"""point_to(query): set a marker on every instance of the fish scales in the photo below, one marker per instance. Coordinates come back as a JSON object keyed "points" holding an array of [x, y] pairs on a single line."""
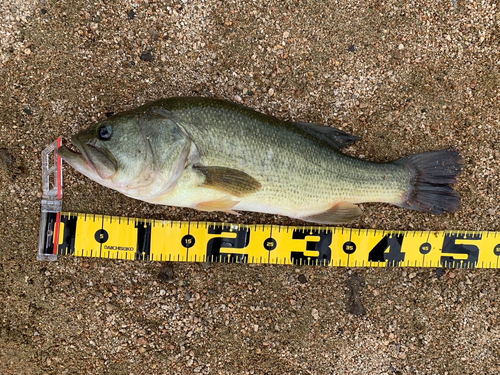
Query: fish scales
{"points": [[218, 155], [295, 169]]}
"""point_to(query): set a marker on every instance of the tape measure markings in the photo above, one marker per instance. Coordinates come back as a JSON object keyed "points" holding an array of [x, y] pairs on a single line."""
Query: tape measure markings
{"points": [[112, 237]]}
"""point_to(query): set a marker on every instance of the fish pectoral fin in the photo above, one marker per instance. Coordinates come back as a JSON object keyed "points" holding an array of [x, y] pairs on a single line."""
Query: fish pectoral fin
{"points": [[334, 137], [224, 205], [229, 180], [340, 213]]}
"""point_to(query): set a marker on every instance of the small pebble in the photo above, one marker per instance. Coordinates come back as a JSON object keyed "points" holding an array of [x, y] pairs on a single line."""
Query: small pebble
{"points": [[302, 279], [147, 56], [315, 314]]}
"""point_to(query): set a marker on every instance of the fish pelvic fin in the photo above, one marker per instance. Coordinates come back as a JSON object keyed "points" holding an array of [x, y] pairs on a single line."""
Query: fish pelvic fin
{"points": [[224, 205], [229, 180], [433, 173], [340, 213]]}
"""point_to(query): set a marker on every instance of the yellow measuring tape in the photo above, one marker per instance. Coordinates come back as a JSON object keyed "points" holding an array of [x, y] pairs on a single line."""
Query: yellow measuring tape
{"points": [[101, 236]]}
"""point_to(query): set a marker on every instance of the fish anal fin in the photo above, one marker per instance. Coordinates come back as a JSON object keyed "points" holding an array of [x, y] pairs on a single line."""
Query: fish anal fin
{"points": [[229, 180], [224, 205], [340, 213]]}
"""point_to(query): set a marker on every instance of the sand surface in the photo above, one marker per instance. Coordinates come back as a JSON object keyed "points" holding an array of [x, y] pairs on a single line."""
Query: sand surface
{"points": [[405, 76]]}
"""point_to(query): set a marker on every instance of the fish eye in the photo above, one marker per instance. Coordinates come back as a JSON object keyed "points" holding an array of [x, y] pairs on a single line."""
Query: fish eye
{"points": [[104, 132]]}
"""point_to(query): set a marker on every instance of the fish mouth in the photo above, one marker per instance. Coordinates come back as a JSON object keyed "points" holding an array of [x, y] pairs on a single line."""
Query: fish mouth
{"points": [[90, 160]]}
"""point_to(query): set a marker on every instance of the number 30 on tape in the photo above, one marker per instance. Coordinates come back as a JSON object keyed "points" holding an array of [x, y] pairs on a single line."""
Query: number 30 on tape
{"points": [[89, 235]]}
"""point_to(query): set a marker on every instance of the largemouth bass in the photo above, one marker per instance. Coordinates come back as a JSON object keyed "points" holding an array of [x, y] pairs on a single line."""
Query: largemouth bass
{"points": [[215, 155]]}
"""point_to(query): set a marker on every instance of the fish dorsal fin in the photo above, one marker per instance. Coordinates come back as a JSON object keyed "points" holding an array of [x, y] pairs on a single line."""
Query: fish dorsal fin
{"points": [[163, 112], [340, 213], [334, 137], [229, 180]]}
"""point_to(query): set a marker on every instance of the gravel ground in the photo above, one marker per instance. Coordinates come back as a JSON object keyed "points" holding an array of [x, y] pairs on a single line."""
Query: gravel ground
{"points": [[406, 76]]}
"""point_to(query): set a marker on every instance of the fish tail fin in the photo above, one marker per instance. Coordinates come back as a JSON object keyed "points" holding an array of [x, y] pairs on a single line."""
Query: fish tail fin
{"points": [[433, 173]]}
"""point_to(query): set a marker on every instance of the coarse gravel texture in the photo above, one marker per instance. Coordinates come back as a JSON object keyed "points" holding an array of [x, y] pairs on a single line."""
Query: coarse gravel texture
{"points": [[405, 76]]}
